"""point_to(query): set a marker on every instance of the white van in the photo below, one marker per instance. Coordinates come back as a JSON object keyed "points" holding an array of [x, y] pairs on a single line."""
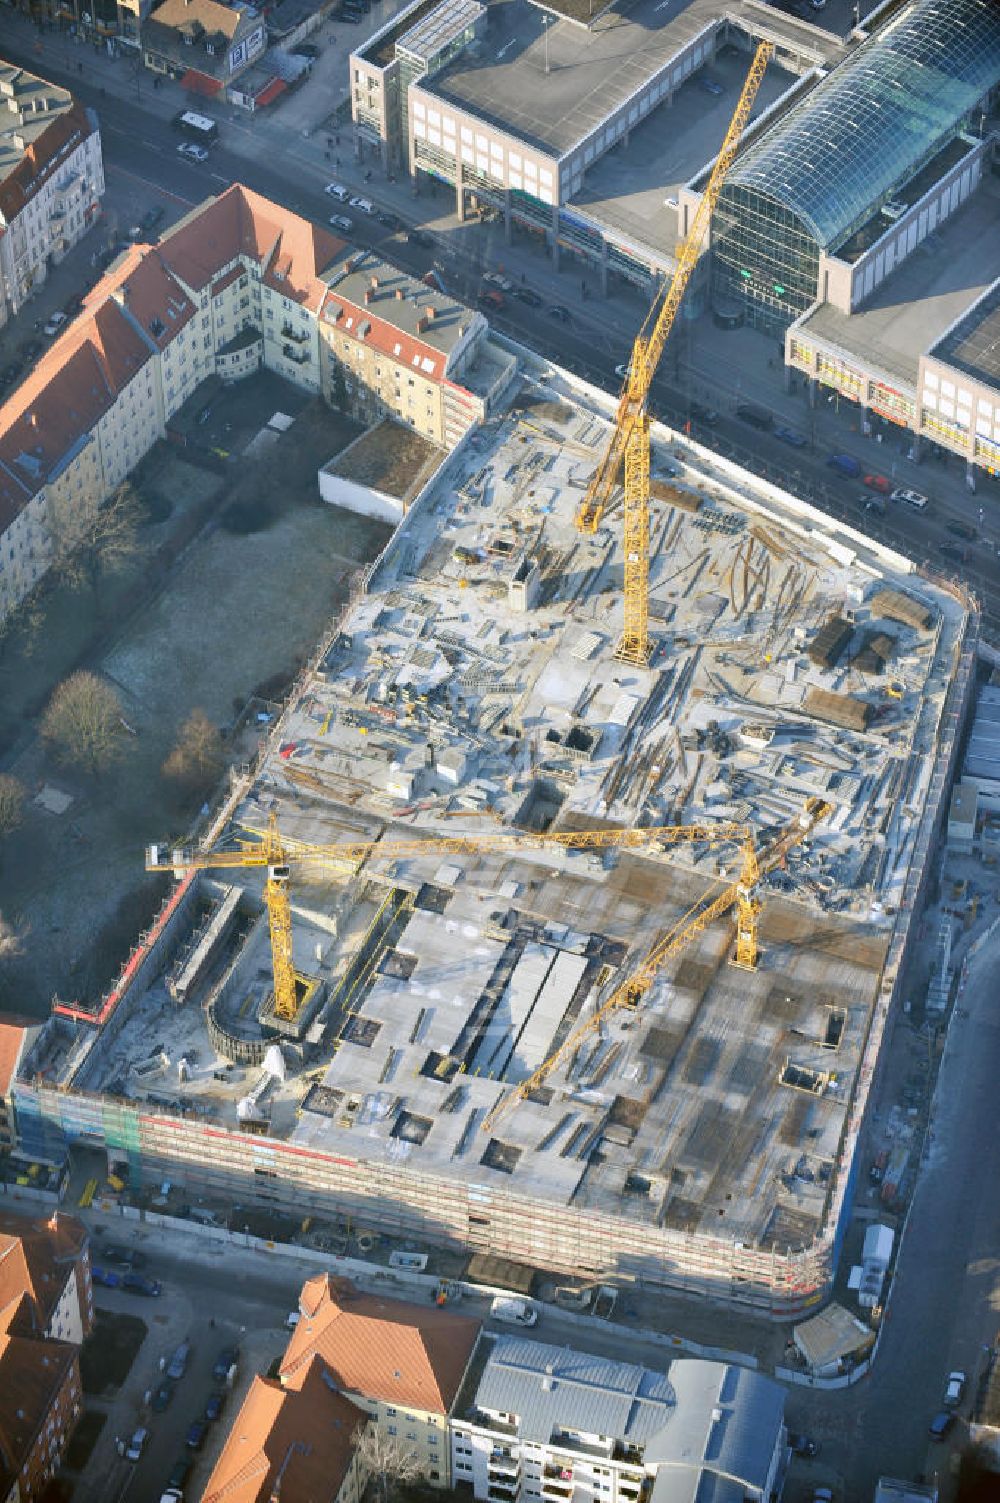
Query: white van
{"points": [[514, 1312]]}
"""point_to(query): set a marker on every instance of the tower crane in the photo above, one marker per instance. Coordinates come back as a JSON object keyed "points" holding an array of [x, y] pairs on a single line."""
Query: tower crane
{"points": [[629, 993], [276, 853], [629, 441]]}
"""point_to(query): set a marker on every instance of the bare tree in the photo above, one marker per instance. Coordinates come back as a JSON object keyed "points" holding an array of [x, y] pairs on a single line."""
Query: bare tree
{"points": [[196, 759], [83, 720], [392, 1462], [88, 536], [11, 803]]}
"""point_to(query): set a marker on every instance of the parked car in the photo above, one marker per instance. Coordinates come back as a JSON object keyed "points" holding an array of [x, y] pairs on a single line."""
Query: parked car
{"points": [[962, 530], [513, 1312], [113, 1252], [872, 503], [224, 1362], [348, 16], [844, 464], [755, 417], [54, 324], [390, 221], [137, 1283], [954, 1390], [878, 483], [791, 437], [214, 1407], [152, 217], [490, 299], [341, 222], [337, 190], [803, 1445], [363, 205], [706, 415], [911, 498], [105, 1277], [504, 283], [709, 85], [135, 1446], [177, 1366], [557, 311], [941, 1424], [528, 296], [192, 151], [420, 237], [163, 1397], [195, 1438], [307, 49], [180, 1473]]}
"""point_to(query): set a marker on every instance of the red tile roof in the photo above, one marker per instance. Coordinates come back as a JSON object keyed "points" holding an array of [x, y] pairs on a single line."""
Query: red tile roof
{"points": [[31, 1376], [12, 1034], [304, 1432], [383, 1348], [348, 318], [37, 1256], [41, 158]]}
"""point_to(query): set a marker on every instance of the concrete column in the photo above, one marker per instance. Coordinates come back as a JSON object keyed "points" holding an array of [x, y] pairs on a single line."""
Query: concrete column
{"points": [[602, 268], [555, 237], [508, 221], [459, 192], [812, 388], [787, 369], [970, 475]]}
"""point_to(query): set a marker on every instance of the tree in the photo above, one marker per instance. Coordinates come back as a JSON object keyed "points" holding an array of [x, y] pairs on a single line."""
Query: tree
{"points": [[11, 803], [388, 1459], [84, 722], [197, 759], [88, 536]]}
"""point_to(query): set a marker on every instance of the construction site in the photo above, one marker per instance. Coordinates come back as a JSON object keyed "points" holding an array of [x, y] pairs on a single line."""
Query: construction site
{"points": [[562, 916]]}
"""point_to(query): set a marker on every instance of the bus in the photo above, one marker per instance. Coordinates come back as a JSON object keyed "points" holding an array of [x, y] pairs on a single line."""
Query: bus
{"points": [[199, 127]]}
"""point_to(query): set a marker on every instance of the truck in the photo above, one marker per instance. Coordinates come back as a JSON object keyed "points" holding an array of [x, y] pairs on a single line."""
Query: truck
{"points": [[514, 1312], [845, 464]]}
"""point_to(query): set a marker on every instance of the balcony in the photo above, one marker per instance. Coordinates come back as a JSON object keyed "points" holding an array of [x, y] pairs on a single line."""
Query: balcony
{"points": [[501, 1492], [503, 1464], [298, 336], [297, 356], [557, 1482]]}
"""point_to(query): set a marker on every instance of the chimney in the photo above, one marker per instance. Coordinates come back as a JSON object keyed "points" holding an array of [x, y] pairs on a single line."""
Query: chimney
{"points": [[400, 295], [33, 419], [431, 313], [422, 322], [350, 263], [374, 282], [369, 295]]}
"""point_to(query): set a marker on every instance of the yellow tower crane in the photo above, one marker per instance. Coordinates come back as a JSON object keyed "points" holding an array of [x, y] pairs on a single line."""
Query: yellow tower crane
{"points": [[629, 441], [272, 851], [740, 894]]}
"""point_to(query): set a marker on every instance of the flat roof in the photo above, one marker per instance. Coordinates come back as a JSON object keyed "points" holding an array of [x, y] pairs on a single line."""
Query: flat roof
{"points": [[365, 272], [433, 31], [592, 71], [974, 347], [912, 308], [625, 191]]}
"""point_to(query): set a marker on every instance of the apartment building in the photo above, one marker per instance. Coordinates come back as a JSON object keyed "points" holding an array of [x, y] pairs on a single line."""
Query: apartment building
{"points": [[548, 1423], [51, 180], [238, 284], [46, 1309], [293, 1442], [203, 44], [390, 346], [401, 1364]]}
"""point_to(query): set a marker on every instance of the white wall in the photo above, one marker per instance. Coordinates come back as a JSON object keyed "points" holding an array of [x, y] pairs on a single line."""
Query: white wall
{"points": [[359, 498]]}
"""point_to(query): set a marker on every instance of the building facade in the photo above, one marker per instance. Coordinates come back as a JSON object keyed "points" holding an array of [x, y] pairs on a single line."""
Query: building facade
{"points": [[202, 43], [548, 1423], [51, 181]]}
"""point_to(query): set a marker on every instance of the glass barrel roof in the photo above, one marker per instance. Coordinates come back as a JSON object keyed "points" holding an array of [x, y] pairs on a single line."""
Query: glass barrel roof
{"points": [[876, 118]]}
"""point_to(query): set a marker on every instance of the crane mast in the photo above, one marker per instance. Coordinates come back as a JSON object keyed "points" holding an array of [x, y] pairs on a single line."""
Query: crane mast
{"points": [[629, 441]]}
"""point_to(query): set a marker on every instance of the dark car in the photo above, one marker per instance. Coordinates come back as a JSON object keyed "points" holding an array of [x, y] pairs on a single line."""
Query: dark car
{"points": [[226, 1359], [348, 17], [112, 1252], [74, 306], [962, 530], [490, 298], [31, 350], [526, 295], [137, 1283], [214, 1407], [390, 221], [195, 1438], [163, 1396], [954, 553], [790, 436], [105, 1277], [179, 1361], [941, 1424], [558, 312], [755, 418], [706, 415], [803, 1445], [180, 1473], [306, 49], [11, 372], [420, 237], [152, 217]]}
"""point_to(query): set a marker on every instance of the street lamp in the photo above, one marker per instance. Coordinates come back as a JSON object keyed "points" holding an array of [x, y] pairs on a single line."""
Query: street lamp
{"points": [[545, 34]]}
